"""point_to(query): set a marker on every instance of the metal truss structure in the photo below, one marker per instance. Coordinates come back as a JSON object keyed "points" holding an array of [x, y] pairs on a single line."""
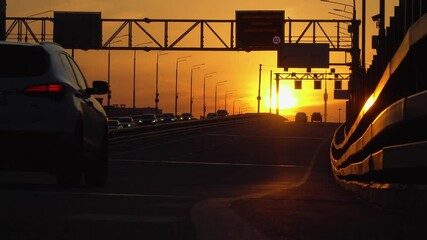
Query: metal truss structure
{"points": [[312, 76], [187, 34]]}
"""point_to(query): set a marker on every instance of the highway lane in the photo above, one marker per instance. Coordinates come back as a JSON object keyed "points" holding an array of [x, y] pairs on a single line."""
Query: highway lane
{"points": [[166, 185]]}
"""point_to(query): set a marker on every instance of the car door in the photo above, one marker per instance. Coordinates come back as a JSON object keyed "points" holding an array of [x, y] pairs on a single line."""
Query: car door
{"points": [[93, 118]]}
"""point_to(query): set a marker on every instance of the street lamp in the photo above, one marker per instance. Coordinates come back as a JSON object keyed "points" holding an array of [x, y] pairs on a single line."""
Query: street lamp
{"points": [[234, 101], [207, 75], [108, 75], [191, 85], [178, 60], [157, 80], [216, 90], [225, 98], [354, 18], [134, 73], [345, 6], [242, 105]]}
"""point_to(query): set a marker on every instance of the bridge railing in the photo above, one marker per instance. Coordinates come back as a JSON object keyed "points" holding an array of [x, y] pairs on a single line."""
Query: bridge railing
{"points": [[387, 143]]}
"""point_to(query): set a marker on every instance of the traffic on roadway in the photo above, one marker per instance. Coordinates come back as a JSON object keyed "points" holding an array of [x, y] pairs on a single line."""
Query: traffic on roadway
{"points": [[257, 176]]}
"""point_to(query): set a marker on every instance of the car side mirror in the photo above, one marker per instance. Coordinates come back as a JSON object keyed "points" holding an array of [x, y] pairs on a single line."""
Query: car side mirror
{"points": [[99, 87]]}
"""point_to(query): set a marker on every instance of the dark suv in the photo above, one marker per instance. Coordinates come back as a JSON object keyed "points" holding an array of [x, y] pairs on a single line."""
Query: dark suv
{"points": [[50, 118], [316, 117], [222, 113], [301, 117]]}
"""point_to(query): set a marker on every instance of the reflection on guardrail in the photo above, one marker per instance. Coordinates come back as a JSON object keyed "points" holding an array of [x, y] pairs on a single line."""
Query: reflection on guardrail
{"points": [[386, 145]]}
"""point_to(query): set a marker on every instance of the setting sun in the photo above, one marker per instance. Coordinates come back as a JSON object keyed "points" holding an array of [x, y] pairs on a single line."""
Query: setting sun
{"points": [[287, 99]]}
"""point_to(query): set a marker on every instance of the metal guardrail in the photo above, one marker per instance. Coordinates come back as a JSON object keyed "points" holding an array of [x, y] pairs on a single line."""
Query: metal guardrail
{"points": [[386, 145], [394, 155], [138, 133]]}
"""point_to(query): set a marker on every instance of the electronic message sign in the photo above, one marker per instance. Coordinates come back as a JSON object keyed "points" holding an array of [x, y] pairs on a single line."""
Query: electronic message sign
{"points": [[78, 30], [259, 30]]}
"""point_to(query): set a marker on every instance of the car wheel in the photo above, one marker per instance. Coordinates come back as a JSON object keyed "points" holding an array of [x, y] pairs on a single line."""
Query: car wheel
{"points": [[96, 172], [68, 171]]}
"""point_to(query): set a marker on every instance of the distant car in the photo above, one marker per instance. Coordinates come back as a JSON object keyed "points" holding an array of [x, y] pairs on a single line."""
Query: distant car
{"points": [[316, 117], [186, 116], [148, 119], [222, 113], [301, 117], [114, 124], [212, 115], [127, 121], [168, 118], [50, 118]]}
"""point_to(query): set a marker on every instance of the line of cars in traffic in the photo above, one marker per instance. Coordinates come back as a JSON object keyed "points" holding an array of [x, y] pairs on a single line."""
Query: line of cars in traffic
{"points": [[121, 122], [301, 117]]}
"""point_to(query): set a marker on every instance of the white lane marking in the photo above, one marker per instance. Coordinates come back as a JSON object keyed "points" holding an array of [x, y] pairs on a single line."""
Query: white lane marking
{"points": [[208, 163]]}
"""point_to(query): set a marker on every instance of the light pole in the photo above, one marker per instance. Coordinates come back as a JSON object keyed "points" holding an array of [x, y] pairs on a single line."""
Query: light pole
{"points": [[225, 98], [207, 75], [157, 80], [108, 74], [216, 90], [240, 106], [191, 85], [178, 60], [134, 74], [345, 6], [234, 101]]}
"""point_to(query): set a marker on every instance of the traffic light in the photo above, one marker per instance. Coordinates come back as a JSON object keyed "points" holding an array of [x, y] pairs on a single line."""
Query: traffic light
{"points": [[298, 84], [317, 84], [338, 84]]}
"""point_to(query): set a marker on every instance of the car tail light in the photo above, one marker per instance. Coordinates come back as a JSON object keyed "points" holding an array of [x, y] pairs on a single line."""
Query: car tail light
{"points": [[50, 88]]}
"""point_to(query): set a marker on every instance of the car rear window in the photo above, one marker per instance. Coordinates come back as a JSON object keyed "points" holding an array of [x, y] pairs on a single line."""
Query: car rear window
{"points": [[23, 61]]}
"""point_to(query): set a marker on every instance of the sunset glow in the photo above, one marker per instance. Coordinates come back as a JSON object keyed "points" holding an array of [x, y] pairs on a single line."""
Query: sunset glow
{"points": [[239, 68]]}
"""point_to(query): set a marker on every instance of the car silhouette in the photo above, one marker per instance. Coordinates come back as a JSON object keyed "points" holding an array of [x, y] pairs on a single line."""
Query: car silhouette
{"points": [[50, 119], [301, 117], [222, 113], [316, 117], [148, 119]]}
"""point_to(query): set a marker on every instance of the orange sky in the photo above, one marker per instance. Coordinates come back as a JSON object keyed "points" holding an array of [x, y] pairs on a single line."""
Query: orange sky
{"points": [[239, 69]]}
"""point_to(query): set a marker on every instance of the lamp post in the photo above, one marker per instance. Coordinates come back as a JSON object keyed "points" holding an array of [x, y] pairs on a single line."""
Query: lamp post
{"points": [[108, 74], [225, 98], [207, 75], [178, 60], [240, 106], [216, 90], [234, 101], [134, 73], [157, 80], [191, 85]]}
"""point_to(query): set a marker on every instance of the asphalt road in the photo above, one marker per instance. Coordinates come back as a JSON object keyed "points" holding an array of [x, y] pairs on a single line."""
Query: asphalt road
{"points": [[258, 179]]}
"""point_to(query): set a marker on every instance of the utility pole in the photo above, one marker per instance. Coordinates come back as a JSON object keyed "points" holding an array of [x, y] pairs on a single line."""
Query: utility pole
{"points": [[259, 87], [325, 98], [2, 20]]}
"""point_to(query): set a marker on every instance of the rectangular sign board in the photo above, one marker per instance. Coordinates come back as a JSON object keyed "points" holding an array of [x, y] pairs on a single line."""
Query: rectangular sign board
{"points": [[341, 94], [303, 55], [259, 30], [78, 30]]}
